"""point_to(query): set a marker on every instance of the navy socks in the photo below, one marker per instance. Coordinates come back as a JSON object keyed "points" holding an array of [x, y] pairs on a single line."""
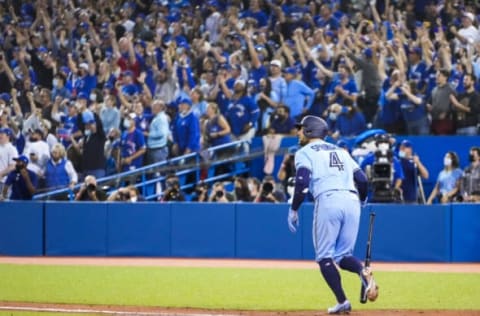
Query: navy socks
{"points": [[351, 264], [332, 277]]}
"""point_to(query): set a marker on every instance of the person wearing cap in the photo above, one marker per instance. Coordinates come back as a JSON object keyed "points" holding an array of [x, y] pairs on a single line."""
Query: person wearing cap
{"points": [[21, 181], [185, 130], [414, 171], [43, 65], [242, 113], [418, 67], [299, 97], [279, 85], [132, 145], [7, 153], [93, 157], [467, 35], [85, 78]]}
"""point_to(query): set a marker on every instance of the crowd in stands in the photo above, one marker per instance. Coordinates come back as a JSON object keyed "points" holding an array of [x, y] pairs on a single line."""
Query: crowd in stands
{"points": [[93, 88]]}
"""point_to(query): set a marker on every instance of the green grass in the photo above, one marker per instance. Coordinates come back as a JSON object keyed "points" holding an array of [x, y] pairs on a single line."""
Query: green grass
{"points": [[229, 288]]}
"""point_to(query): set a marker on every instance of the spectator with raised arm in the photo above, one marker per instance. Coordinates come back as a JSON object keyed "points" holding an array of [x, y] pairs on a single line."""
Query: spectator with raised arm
{"points": [[21, 181]]}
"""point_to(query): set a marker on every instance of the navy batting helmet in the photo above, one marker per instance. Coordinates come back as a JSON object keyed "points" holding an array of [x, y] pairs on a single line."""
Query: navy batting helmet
{"points": [[313, 127]]}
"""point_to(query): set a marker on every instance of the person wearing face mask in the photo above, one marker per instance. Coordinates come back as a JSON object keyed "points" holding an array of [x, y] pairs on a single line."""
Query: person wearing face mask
{"points": [[23, 182], [448, 184], [132, 145], [470, 185], [59, 172], [414, 171], [59, 88], [93, 158], [389, 192], [345, 121]]}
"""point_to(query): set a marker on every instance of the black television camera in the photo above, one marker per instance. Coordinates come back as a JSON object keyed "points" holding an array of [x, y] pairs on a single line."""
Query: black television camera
{"points": [[381, 177], [381, 173]]}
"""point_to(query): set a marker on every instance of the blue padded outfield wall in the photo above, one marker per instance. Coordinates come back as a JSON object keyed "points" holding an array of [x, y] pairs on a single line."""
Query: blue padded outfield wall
{"points": [[415, 233]]}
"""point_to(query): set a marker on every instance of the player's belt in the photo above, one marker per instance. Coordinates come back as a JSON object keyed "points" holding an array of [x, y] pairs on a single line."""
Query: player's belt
{"points": [[336, 190]]}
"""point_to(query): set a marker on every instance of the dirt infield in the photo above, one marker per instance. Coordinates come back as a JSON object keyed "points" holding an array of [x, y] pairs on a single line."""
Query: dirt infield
{"points": [[141, 310]]}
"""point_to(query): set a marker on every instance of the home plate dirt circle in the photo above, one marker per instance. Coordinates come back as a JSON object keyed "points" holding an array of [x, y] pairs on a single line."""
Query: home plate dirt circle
{"points": [[19, 307]]}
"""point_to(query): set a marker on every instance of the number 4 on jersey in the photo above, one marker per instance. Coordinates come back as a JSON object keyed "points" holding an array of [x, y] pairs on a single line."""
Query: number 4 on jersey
{"points": [[335, 161]]}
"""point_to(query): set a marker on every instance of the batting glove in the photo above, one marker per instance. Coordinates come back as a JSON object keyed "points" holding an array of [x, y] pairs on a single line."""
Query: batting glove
{"points": [[293, 221]]}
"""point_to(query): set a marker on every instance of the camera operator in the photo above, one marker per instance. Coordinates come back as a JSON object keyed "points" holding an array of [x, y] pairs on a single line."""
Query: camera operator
{"points": [[173, 192], [22, 181], [89, 191], [269, 193], [384, 171], [413, 171], [201, 192], [126, 194], [219, 194]]}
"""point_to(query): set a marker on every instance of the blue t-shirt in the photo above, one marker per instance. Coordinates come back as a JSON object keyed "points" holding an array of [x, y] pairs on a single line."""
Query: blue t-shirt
{"points": [[19, 186], [130, 143]]}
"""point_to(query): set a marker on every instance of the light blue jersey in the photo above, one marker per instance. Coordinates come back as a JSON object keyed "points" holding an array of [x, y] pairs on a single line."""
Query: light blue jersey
{"points": [[331, 167]]}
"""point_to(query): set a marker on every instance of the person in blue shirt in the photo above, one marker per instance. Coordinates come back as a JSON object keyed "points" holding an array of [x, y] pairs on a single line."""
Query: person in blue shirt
{"points": [[23, 182], [242, 113], [448, 180], [299, 97], [412, 169], [414, 110], [132, 145], [347, 121], [185, 130], [85, 79]]}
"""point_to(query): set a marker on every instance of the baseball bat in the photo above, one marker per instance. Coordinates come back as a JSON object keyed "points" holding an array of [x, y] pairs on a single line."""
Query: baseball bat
{"points": [[368, 255]]}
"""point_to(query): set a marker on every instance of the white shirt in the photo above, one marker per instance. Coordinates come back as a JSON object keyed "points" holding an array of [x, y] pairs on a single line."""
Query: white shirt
{"points": [[470, 34], [41, 149], [7, 153]]}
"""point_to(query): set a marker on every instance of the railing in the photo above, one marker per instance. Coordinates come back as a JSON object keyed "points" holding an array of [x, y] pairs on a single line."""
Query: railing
{"points": [[155, 173]]}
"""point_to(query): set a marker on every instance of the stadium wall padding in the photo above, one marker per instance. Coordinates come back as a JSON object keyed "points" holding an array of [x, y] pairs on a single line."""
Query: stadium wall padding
{"points": [[408, 233]]}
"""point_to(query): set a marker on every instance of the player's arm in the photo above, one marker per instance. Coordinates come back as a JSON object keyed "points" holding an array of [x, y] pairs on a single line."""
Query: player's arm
{"points": [[302, 180], [361, 182]]}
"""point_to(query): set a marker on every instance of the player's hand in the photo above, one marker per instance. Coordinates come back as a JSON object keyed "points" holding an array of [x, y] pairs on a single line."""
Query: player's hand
{"points": [[293, 221]]}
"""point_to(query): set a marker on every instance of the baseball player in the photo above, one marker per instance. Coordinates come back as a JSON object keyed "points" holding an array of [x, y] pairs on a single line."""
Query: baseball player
{"points": [[336, 182]]}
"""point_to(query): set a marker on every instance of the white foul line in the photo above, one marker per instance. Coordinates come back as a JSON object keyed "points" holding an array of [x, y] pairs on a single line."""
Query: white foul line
{"points": [[107, 312]]}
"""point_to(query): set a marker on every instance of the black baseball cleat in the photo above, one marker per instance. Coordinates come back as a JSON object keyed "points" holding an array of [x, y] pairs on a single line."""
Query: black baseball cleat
{"points": [[340, 308]]}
